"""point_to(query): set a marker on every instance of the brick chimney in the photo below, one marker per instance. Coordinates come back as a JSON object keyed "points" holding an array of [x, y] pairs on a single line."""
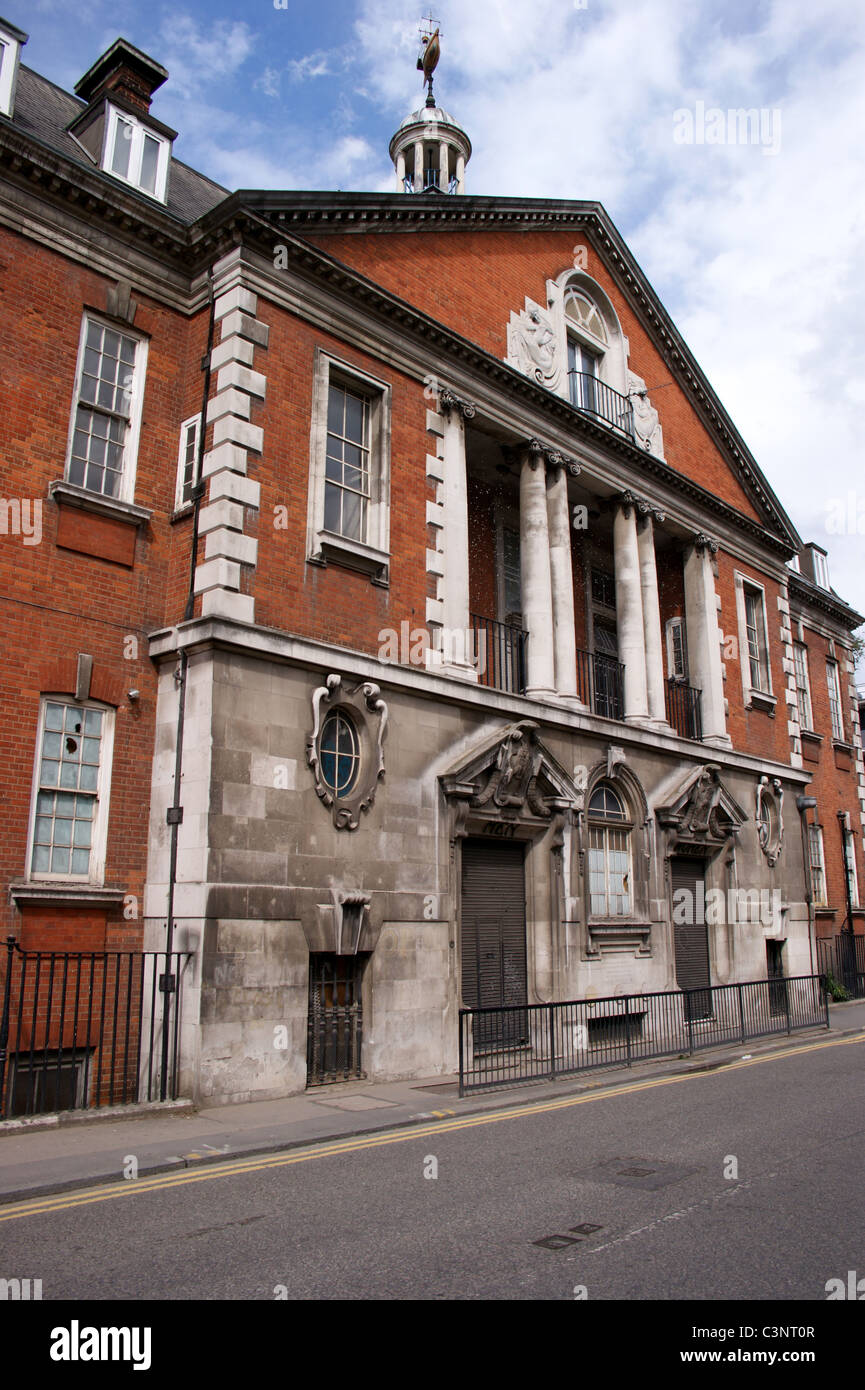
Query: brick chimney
{"points": [[125, 71]]}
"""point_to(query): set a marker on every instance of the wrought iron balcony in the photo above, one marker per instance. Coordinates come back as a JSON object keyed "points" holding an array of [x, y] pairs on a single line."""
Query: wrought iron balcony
{"points": [[596, 398], [684, 709], [500, 650], [600, 684]]}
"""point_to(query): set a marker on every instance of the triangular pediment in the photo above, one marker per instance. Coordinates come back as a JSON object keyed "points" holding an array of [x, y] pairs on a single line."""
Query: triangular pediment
{"points": [[702, 815], [512, 774]]}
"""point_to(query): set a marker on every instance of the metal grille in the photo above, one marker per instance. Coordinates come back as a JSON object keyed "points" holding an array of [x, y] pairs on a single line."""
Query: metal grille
{"points": [[691, 937], [82, 1029], [843, 957], [494, 939], [335, 1021]]}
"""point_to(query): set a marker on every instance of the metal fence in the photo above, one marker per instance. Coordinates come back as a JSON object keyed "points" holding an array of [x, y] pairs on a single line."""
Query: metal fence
{"points": [[600, 684], [684, 709], [504, 650], [843, 957], [503, 1046], [82, 1029]]}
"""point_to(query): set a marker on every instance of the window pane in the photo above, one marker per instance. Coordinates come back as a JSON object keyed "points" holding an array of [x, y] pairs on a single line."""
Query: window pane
{"points": [[149, 163], [123, 132]]}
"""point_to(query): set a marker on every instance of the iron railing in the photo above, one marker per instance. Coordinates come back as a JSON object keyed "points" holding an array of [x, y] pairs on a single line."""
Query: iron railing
{"points": [[843, 957], [500, 651], [684, 709], [81, 1029], [597, 398], [600, 684], [527, 1042]]}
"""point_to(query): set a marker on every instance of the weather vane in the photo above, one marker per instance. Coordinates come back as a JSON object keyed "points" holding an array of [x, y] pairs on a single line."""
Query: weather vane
{"points": [[429, 54]]}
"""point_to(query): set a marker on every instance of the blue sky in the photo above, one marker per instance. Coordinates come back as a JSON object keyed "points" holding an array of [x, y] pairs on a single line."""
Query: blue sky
{"points": [[755, 249]]}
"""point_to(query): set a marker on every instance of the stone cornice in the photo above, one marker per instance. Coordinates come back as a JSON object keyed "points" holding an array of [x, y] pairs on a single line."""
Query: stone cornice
{"points": [[312, 657], [812, 596]]}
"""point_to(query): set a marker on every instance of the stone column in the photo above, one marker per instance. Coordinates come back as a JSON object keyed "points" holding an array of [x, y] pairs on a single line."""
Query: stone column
{"points": [[443, 166], [562, 584], [629, 610], [651, 617], [418, 166], [400, 172], [457, 644], [704, 643], [535, 575], [461, 173]]}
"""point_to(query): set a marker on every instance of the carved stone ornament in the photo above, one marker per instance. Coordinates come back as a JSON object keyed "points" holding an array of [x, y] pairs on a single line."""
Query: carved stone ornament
{"points": [[514, 778], [703, 817], [349, 913], [539, 453], [769, 817], [533, 346], [647, 425], [366, 711], [703, 542], [449, 400]]}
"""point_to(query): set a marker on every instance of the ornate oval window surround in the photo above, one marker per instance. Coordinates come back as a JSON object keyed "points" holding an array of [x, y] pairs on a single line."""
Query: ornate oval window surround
{"points": [[345, 749]]}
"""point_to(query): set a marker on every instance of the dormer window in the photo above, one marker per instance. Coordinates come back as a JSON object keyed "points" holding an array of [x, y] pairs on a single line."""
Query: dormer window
{"points": [[135, 154], [12, 41]]}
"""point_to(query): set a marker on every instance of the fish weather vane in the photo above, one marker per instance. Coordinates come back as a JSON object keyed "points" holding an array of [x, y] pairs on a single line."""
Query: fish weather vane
{"points": [[430, 53]]}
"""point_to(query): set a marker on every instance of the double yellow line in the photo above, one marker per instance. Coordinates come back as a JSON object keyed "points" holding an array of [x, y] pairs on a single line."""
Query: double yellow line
{"points": [[134, 1187]]}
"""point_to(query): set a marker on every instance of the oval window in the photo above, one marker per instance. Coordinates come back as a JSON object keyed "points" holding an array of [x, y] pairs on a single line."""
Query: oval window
{"points": [[339, 751]]}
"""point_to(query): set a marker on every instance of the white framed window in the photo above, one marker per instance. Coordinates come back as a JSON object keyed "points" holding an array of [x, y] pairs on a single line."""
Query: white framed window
{"points": [[136, 154], [106, 411], [348, 519], [757, 646], [834, 687], [11, 42], [850, 864], [818, 865], [187, 461], [677, 660], [69, 814], [587, 343], [803, 688], [609, 854], [821, 568]]}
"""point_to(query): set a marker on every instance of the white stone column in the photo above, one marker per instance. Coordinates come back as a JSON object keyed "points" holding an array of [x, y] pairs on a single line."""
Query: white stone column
{"points": [[400, 172], [418, 166], [535, 575], [443, 166], [629, 611], [461, 173], [457, 644], [651, 620], [562, 586], [704, 643]]}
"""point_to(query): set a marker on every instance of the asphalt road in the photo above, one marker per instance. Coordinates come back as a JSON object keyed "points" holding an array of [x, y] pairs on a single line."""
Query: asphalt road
{"points": [[744, 1183]]}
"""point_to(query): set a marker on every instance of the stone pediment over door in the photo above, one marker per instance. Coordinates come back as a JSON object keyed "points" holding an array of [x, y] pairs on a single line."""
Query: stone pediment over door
{"points": [[703, 817], [511, 779]]}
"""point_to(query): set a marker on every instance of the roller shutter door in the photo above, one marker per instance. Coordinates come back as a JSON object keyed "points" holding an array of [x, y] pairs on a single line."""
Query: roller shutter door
{"points": [[691, 936]]}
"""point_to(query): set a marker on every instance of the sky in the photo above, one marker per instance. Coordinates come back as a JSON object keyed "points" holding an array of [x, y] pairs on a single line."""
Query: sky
{"points": [[754, 247]]}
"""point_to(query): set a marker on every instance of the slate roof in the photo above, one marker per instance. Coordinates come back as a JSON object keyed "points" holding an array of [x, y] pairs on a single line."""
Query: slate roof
{"points": [[43, 111]]}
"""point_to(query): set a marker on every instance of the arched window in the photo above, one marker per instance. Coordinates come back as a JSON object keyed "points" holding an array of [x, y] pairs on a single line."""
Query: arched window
{"points": [[587, 343], [610, 874], [339, 753]]}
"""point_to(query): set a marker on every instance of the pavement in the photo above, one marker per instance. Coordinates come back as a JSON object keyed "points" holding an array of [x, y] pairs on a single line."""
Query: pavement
{"points": [[50, 1153]]}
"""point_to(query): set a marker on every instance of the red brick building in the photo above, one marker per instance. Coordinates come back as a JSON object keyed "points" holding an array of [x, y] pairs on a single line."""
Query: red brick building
{"points": [[445, 595]]}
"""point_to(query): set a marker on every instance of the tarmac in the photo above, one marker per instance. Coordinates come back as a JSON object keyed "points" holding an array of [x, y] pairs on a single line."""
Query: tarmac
{"points": [[50, 1153]]}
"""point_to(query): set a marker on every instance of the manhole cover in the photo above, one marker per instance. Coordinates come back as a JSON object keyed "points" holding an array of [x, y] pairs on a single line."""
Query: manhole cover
{"points": [[647, 1173]]}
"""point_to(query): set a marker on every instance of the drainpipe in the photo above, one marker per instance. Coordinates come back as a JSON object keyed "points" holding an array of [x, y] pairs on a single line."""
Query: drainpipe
{"points": [[174, 815], [804, 804]]}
